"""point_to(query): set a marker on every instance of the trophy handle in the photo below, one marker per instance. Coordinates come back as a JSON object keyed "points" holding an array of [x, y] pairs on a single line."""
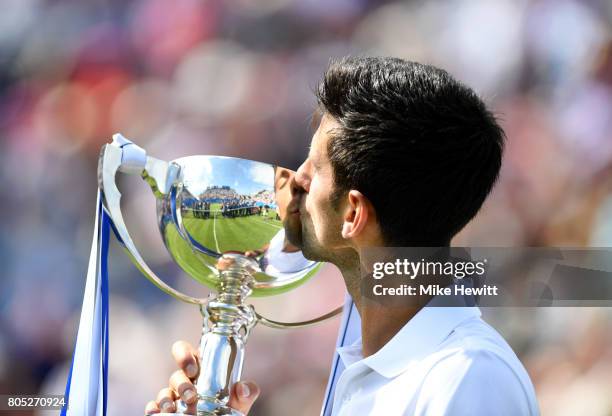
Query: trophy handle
{"points": [[124, 156], [290, 325]]}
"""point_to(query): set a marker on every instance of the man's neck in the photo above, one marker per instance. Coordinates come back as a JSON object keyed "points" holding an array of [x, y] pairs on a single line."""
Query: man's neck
{"points": [[378, 323], [381, 323]]}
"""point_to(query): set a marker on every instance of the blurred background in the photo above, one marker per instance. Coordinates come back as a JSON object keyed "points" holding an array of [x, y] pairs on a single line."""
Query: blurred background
{"points": [[235, 78]]}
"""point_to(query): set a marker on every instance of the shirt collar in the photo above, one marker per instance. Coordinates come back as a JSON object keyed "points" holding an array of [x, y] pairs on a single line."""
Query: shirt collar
{"points": [[417, 338]]}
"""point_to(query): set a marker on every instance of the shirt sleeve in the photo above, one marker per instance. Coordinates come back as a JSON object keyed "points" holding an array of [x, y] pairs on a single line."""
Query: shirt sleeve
{"points": [[473, 383]]}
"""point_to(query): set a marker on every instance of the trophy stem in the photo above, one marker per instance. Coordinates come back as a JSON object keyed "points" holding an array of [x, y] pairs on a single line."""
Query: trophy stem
{"points": [[227, 324]]}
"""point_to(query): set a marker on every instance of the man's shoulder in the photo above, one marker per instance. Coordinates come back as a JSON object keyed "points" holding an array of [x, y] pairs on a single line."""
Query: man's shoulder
{"points": [[476, 335], [476, 344], [475, 371]]}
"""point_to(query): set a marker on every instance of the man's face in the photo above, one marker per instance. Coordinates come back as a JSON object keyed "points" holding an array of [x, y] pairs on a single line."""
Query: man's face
{"points": [[318, 231]]}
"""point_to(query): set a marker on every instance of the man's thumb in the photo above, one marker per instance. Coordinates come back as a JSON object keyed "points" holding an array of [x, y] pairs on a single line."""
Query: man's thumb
{"points": [[243, 396]]}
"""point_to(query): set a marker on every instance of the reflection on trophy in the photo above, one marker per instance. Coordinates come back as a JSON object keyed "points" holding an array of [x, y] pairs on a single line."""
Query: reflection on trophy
{"points": [[222, 220]]}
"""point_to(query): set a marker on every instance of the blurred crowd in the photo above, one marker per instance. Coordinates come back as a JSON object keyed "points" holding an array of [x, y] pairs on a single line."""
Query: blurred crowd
{"points": [[235, 78]]}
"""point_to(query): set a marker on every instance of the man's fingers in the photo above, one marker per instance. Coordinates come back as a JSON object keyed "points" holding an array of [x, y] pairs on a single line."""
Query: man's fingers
{"points": [[151, 408], [185, 356], [165, 400], [243, 396], [183, 387], [191, 408]]}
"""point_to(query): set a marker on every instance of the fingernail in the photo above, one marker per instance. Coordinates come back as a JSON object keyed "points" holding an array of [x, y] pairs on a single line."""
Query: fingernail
{"points": [[243, 390], [192, 370], [166, 407], [188, 395]]}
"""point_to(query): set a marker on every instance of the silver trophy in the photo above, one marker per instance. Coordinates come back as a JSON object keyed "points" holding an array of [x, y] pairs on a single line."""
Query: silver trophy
{"points": [[215, 215]]}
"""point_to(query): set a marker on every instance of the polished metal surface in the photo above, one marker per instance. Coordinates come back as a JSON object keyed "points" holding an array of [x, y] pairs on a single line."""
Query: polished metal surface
{"points": [[227, 205], [284, 325], [222, 219], [228, 323]]}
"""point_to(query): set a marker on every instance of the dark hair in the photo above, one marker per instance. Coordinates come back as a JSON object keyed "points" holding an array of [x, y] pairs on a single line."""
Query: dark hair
{"points": [[421, 146]]}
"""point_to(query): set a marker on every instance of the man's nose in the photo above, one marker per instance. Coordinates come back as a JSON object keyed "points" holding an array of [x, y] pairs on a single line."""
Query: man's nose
{"points": [[300, 182]]}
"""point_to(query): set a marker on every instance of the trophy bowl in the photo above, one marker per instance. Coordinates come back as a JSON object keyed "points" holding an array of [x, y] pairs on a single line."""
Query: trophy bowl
{"points": [[223, 205], [223, 221]]}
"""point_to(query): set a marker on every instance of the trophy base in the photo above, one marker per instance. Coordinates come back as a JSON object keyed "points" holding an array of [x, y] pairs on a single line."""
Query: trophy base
{"points": [[218, 412], [232, 413], [204, 409]]}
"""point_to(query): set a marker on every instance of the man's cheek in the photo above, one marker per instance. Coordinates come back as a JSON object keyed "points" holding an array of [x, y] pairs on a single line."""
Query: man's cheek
{"points": [[308, 208], [308, 205]]}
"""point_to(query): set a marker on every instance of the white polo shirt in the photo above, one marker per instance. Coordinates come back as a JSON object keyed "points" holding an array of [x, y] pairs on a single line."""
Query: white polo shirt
{"points": [[446, 361]]}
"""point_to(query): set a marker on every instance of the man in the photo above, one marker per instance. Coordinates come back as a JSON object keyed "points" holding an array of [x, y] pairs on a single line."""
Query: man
{"points": [[404, 155]]}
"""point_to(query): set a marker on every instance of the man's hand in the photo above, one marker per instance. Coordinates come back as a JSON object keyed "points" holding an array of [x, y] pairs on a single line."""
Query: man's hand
{"points": [[253, 253], [181, 386]]}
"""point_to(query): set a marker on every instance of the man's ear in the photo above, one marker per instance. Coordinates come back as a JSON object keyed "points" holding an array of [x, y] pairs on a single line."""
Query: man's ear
{"points": [[358, 212]]}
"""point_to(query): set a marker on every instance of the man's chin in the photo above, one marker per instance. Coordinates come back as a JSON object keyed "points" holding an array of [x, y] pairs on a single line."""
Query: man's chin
{"points": [[311, 254], [297, 235], [313, 251]]}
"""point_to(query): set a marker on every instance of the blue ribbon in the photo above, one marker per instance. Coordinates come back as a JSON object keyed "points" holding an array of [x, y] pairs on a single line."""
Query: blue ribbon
{"points": [[104, 227]]}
